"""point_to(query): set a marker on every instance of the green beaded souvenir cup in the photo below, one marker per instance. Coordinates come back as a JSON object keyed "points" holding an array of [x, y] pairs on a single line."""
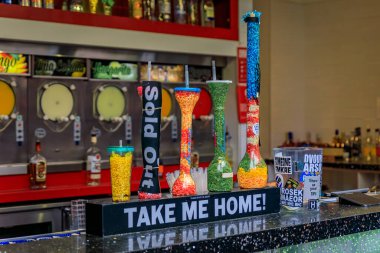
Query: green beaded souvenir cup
{"points": [[219, 172]]}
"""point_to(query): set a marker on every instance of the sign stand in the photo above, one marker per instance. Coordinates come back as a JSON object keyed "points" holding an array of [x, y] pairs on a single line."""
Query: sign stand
{"points": [[107, 218]]}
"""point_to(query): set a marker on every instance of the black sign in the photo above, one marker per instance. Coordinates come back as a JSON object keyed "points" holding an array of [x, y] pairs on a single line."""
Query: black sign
{"points": [[114, 70], [59, 66], [150, 137], [116, 218], [203, 74]]}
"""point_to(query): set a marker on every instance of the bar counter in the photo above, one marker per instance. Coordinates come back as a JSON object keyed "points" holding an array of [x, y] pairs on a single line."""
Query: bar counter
{"points": [[240, 235]]}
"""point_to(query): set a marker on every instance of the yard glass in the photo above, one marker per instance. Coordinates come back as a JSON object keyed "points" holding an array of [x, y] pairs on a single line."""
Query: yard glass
{"points": [[219, 172], [186, 98]]}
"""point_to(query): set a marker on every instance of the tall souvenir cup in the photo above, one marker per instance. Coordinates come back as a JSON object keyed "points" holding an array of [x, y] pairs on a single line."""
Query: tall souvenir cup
{"points": [[120, 167], [150, 139], [252, 171], [219, 172], [187, 98]]}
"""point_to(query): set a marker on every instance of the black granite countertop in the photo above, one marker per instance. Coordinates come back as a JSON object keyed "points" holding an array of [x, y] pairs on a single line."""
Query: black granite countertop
{"points": [[240, 235]]}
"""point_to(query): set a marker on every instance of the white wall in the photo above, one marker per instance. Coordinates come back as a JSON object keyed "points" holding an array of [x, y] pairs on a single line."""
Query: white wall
{"points": [[324, 67], [286, 70], [342, 52]]}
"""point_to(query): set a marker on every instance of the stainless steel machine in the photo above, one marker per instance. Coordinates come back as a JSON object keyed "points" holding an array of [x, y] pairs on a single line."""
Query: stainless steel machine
{"points": [[13, 117], [55, 110], [110, 113]]}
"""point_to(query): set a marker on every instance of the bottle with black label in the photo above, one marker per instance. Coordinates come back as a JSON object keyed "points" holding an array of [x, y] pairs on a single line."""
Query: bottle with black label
{"points": [[164, 10], [37, 169], [180, 13], [288, 140], [208, 13], [93, 159], [336, 141]]}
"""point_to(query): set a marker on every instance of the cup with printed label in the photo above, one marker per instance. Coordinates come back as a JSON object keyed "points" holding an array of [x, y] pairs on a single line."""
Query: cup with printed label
{"points": [[298, 173]]}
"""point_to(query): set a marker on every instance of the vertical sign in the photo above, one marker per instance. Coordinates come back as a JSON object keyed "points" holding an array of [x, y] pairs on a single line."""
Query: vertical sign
{"points": [[241, 88], [242, 65]]}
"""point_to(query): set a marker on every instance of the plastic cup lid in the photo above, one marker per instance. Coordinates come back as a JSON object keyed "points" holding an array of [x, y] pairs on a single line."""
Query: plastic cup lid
{"points": [[118, 149], [187, 89]]}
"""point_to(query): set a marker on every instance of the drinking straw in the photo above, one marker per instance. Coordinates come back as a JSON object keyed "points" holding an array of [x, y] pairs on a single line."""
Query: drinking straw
{"points": [[187, 76], [149, 69], [213, 71]]}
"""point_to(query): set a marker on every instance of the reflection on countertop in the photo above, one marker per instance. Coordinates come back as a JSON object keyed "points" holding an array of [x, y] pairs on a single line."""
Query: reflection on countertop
{"points": [[240, 235], [359, 242]]}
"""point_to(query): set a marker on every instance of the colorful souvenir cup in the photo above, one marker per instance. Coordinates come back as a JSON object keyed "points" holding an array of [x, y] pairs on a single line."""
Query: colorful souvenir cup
{"points": [[187, 98], [120, 165]]}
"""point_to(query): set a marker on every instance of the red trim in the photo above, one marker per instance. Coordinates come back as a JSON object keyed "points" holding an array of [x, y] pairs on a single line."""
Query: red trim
{"points": [[67, 185], [86, 19]]}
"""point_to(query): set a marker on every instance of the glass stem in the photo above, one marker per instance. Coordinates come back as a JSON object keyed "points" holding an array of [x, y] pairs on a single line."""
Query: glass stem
{"points": [[253, 130], [186, 133], [220, 131]]}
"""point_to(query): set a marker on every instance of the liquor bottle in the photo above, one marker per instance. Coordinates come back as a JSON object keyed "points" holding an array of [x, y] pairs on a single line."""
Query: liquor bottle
{"points": [[164, 10], [149, 9], [36, 3], [48, 4], [37, 169], [180, 13], [356, 149], [64, 5], [208, 13], [346, 147], [288, 140], [193, 12], [336, 141], [368, 146], [76, 6], [25, 3], [378, 144], [136, 9], [93, 163]]}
